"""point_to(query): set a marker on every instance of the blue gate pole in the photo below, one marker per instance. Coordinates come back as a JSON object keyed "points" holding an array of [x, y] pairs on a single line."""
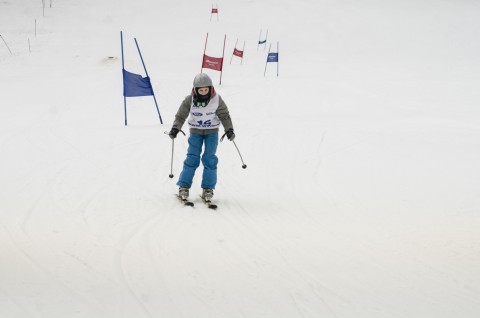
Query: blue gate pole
{"points": [[123, 69], [156, 105], [266, 38], [267, 60], [259, 37], [278, 58]]}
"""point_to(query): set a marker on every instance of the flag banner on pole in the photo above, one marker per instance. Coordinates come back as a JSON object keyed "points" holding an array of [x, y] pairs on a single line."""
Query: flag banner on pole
{"points": [[260, 42], [214, 63], [214, 11], [136, 85], [272, 57], [237, 53]]}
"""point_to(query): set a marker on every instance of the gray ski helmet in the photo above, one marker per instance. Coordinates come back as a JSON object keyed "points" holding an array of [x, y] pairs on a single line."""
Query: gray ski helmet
{"points": [[202, 80]]}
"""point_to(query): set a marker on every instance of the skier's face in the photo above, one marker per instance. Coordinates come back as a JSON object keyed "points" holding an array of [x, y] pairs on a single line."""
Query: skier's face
{"points": [[203, 90]]}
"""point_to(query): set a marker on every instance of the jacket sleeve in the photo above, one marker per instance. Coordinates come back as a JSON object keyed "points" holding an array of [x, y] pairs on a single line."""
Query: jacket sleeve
{"points": [[224, 115], [182, 113]]}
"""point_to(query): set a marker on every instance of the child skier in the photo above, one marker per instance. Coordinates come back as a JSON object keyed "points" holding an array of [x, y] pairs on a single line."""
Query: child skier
{"points": [[205, 110]]}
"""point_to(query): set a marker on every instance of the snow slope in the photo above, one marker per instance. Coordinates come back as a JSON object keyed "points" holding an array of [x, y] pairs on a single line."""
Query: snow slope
{"points": [[361, 196]]}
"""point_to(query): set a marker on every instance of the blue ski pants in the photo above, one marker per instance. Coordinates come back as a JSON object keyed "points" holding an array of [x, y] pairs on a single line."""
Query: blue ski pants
{"points": [[209, 160]]}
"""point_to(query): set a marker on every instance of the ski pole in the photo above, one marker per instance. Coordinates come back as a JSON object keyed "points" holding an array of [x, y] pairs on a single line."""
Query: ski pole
{"points": [[173, 148], [171, 161], [244, 166]]}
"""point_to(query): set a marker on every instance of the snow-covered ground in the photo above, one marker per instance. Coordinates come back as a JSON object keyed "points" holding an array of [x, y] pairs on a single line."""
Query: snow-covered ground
{"points": [[362, 193]]}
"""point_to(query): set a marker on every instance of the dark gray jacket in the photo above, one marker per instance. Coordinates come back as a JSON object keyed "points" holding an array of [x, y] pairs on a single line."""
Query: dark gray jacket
{"points": [[184, 112]]}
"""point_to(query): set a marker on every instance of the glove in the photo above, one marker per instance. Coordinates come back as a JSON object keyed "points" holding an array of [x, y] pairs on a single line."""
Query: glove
{"points": [[230, 134], [173, 133]]}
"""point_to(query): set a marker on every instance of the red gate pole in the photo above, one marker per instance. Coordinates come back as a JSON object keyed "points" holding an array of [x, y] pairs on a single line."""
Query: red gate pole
{"points": [[233, 51], [205, 50], [223, 54], [243, 52]]}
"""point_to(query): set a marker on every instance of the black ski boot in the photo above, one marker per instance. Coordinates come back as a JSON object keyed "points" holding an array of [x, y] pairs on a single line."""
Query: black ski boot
{"points": [[183, 193], [207, 195]]}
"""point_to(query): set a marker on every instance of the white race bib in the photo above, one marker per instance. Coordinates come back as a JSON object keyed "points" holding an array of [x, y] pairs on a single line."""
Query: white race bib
{"points": [[205, 117]]}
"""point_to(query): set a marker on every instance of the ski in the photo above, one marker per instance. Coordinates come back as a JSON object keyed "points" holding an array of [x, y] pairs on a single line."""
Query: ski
{"points": [[185, 201], [209, 204]]}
